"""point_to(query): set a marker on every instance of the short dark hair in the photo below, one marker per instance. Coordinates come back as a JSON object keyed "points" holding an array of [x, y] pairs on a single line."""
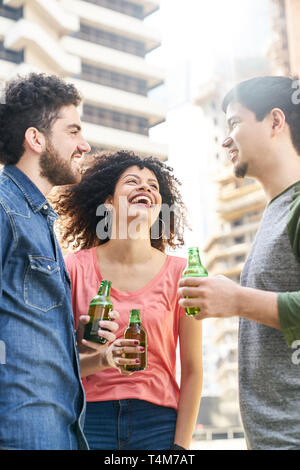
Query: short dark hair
{"points": [[32, 101], [262, 94], [77, 204]]}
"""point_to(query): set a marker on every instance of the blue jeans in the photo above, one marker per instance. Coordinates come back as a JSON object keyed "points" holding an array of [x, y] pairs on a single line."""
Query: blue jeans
{"points": [[129, 425]]}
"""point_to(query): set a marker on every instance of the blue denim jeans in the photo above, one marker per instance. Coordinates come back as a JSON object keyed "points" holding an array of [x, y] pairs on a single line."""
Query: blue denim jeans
{"points": [[129, 425]]}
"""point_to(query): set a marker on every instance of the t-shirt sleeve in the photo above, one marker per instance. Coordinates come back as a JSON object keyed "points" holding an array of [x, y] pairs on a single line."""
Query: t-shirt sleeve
{"points": [[289, 302], [289, 315], [293, 223]]}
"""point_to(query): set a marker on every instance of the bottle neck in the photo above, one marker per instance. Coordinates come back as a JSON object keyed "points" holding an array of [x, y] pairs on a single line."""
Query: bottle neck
{"points": [[135, 324], [135, 317], [194, 259], [104, 289]]}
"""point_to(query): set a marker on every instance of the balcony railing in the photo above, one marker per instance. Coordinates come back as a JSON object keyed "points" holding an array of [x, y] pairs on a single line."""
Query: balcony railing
{"points": [[113, 79], [127, 8], [24, 33], [11, 13], [11, 56], [115, 119], [111, 40]]}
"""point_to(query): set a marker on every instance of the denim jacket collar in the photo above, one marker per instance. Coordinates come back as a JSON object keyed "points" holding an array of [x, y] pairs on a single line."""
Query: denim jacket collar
{"points": [[33, 195]]}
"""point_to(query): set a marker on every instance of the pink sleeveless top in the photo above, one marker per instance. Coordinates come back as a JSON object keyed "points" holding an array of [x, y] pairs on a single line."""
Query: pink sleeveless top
{"points": [[160, 314]]}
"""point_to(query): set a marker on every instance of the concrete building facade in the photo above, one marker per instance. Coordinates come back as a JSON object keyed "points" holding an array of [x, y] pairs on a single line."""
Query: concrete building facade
{"points": [[100, 46], [284, 51]]}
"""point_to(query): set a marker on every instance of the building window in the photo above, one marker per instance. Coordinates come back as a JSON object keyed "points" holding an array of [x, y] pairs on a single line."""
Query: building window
{"points": [[238, 222], [115, 119], [113, 79], [253, 216], [128, 8], [11, 56], [11, 13], [112, 40], [239, 239]]}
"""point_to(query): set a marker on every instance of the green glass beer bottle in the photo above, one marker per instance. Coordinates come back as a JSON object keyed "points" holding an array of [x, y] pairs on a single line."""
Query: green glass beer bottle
{"points": [[135, 330], [194, 269], [99, 309]]}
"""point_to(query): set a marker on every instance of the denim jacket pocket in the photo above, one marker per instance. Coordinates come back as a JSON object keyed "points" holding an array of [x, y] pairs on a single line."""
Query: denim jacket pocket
{"points": [[43, 287]]}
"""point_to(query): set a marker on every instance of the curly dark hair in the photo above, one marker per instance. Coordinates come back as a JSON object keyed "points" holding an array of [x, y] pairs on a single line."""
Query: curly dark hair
{"points": [[32, 101], [77, 204]]}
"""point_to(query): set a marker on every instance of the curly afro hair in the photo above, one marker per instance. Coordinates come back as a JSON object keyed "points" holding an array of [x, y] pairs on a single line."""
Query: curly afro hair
{"points": [[32, 101], [77, 204]]}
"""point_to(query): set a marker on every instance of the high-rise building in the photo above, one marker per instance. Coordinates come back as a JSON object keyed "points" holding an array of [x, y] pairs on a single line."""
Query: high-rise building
{"points": [[284, 51], [278, 52], [100, 46]]}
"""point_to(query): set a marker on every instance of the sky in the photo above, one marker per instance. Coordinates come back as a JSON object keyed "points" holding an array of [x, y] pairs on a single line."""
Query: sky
{"points": [[204, 32]]}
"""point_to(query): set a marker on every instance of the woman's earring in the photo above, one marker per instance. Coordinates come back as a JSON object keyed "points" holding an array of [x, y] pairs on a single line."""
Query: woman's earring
{"points": [[107, 221]]}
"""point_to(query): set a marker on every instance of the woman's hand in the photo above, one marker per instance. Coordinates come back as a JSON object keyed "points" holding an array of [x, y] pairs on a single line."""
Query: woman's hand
{"points": [[90, 347], [95, 357], [115, 354]]}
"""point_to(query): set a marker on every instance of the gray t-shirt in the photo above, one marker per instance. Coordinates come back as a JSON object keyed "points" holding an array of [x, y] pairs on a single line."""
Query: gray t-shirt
{"points": [[269, 379]]}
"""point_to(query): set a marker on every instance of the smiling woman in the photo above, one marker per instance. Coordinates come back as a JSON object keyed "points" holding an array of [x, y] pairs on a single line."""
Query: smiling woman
{"points": [[130, 196], [80, 205]]}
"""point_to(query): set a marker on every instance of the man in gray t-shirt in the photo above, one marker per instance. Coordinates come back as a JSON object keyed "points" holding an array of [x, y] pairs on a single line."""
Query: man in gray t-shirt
{"points": [[263, 116]]}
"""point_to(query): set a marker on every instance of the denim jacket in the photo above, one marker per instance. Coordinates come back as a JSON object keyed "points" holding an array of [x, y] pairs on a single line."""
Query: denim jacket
{"points": [[42, 401]]}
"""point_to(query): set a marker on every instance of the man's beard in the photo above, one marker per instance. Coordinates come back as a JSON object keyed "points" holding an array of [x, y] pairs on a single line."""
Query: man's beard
{"points": [[57, 171], [241, 170]]}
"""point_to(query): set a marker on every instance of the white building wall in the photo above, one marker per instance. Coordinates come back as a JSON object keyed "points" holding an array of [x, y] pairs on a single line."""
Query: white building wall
{"points": [[45, 34]]}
